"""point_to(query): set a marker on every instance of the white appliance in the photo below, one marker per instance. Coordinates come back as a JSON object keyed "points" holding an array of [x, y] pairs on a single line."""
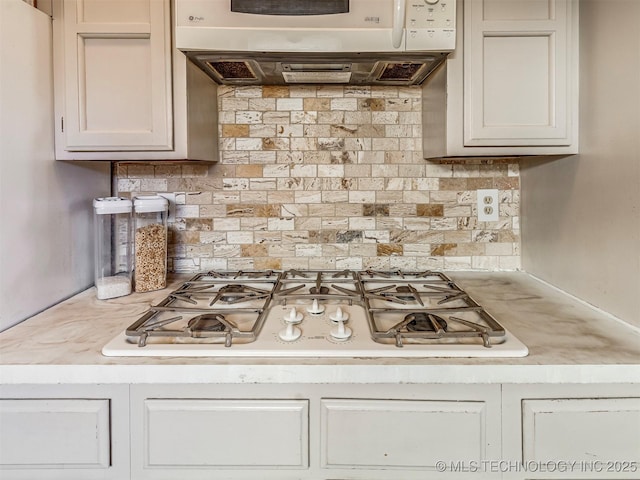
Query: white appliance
{"points": [[317, 314], [363, 42]]}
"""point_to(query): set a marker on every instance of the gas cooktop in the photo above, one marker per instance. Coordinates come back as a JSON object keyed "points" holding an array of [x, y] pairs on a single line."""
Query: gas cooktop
{"points": [[317, 314]]}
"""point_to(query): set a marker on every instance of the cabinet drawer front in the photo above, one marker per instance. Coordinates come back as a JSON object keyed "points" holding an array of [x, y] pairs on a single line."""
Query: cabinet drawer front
{"points": [[401, 434], [55, 433], [606, 429], [226, 433]]}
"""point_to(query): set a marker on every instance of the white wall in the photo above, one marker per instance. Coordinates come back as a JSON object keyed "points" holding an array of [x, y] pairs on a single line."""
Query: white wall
{"points": [[46, 214], [581, 214]]}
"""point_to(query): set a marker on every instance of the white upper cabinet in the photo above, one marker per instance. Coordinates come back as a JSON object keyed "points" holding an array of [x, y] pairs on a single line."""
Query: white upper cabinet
{"points": [[511, 88], [117, 61], [115, 99]]}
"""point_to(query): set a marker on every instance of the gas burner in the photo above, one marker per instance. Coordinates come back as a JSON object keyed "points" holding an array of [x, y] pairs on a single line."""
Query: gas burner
{"points": [[319, 290], [230, 289], [425, 322], [408, 293], [323, 285], [404, 289], [208, 322], [402, 294], [236, 293]]}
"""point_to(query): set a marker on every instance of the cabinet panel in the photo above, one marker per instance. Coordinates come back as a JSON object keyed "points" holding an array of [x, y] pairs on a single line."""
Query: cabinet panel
{"points": [[583, 430], [113, 11], [129, 107], [571, 431], [519, 10], [54, 433], [511, 86], [401, 434], [510, 75], [226, 433], [117, 76], [516, 67]]}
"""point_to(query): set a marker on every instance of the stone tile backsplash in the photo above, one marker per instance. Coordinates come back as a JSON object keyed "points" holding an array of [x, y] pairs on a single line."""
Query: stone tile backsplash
{"points": [[330, 177]]}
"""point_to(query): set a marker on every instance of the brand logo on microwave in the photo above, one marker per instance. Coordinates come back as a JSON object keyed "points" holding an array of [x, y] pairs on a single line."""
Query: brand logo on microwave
{"points": [[193, 18], [372, 19]]}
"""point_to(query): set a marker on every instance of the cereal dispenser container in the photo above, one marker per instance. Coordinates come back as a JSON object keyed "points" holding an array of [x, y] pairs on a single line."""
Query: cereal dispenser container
{"points": [[112, 223], [150, 245]]}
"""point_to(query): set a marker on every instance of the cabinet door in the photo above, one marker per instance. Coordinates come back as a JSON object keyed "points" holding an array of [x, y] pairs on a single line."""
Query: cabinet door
{"points": [[571, 431], [520, 73], [584, 430], [227, 434], [69, 433], [400, 434], [117, 69], [64, 432]]}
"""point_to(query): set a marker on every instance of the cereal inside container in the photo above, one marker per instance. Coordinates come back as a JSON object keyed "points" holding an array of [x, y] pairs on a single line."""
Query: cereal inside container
{"points": [[150, 243]]}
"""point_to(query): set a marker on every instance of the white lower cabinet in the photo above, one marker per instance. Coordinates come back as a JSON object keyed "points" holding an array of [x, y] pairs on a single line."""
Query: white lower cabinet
{"points": [[225, 434], [318, 432], [401, 434], [575, 432], [64, 432]]}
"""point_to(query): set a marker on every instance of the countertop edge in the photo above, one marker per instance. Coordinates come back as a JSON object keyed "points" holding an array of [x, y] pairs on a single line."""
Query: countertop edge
{"points": [[319, 374]]}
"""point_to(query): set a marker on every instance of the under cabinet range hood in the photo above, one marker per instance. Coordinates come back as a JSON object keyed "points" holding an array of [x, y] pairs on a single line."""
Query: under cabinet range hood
{"points": [[352, 42]]}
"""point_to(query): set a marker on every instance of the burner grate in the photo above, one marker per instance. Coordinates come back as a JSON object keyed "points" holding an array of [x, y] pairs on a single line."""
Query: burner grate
{"points": [[400, 308]]}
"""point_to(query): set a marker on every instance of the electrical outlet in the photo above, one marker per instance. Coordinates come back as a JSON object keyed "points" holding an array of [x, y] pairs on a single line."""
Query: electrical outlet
{"points": [[488, 210]]}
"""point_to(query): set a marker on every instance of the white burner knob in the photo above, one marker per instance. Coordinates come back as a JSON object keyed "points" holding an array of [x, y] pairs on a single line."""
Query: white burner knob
{"points": [[315, 307], [339, 315], [294, 316], [340, 332], [290, 333]]}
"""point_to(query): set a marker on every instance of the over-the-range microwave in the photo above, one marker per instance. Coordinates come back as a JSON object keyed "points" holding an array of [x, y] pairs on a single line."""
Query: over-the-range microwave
{"points": [[310, 41]]}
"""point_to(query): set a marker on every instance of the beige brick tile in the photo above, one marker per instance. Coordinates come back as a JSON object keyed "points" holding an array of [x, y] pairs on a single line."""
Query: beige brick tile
{"points": [[262, 104], [288, 104], [302, 91], [235, 130], [239, 238], [330, 91], [278, 118], [275, 91], [249, 170]]}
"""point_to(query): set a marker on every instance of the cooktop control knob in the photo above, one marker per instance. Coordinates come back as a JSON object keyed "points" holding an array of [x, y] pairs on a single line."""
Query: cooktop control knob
{"points": [[431, 2], [339, 315], [315, 308], [293, 316], [290, 333], [340, 332]]}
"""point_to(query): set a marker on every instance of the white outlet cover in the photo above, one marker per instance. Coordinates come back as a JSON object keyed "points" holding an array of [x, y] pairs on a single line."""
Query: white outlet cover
{"points": [[488, 208]]}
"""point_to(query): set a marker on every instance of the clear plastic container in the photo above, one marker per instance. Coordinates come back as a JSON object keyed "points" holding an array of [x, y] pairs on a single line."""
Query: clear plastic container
{"points": [[112, 246], [150, 245]]}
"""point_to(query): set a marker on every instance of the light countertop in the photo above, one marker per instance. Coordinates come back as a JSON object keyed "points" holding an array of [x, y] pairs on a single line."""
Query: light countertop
{"points": [[568, 341]]}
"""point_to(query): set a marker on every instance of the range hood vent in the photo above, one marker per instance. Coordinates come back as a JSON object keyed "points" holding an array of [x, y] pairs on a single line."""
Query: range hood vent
{"points": [[242, 68]]}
